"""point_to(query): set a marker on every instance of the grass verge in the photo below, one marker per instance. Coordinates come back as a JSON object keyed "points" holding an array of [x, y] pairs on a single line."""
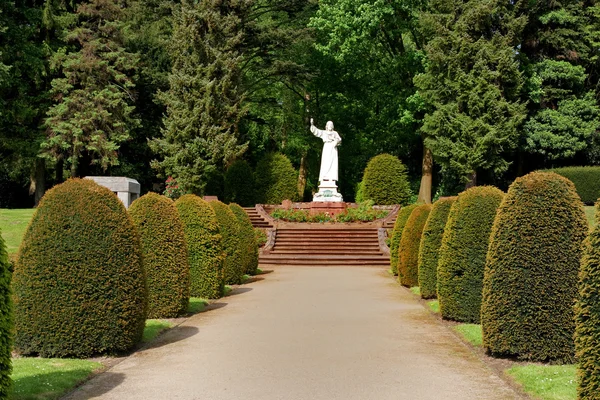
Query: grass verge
{"points": [[48, 378], [434, 305], [590, 213], [13, 224], [416, 290], [227, 290], [547, 382], [471, 333], [153, 328], [197, 305]]}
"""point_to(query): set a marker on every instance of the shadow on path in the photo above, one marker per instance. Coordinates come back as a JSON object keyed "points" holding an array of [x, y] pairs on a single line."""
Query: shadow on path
{"points": [[103, 383], [238, 290], [172, 336]]}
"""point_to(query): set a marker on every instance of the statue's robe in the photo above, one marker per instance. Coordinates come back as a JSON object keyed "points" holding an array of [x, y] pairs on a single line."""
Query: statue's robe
{"points": [[329, 158]]}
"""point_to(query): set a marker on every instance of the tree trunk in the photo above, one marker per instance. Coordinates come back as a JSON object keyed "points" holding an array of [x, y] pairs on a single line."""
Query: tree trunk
{"points": [[426, 177], [472, 180], [302, 177], [37, 186]]}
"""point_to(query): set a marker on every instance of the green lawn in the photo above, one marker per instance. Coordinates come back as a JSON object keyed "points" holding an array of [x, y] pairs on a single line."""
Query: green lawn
{"points": [[547, 382], [416, 290], [434, 305], [471, 332], [197, 305], [153, 328], [48, 378], [590, 213], [13, 224]]}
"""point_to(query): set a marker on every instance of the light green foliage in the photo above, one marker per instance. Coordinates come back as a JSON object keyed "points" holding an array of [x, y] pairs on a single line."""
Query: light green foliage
{"points": [[276, 179], [239, 184], [154, 327], [93, 113], [471, 333], [408, 249], [248, 246], [401, 219], [385, 181], [547, 382], [197, 305], [229, 228], [434, 305], [260, 236]]}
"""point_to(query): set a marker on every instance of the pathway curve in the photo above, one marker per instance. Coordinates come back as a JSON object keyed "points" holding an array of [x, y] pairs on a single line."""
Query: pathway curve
{"points": [[307, 334]]}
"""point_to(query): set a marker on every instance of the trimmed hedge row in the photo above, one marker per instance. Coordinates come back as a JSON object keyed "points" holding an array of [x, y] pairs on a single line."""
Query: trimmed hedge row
{"points": [[429, 250], [463, 253], [385, 181], [165, 255], [233, 267], [204, 242], [530, 282], [401, 219], [276, 179], [587, 317], [239, 184], [585, 179], [79, 285], [6, 323], [249, 248], [408, 251]]}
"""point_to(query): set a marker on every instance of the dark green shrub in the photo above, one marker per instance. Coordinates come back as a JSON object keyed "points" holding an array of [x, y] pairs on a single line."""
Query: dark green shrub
{"points": [[587, 317], [260, 237], [530, 282], [233, 268], [431, 241], [463, 251], [205, 248], [585, 179], [275, 179], [6, 323], [165, 257], [401, 219], [249, 248], [385, 181], [408, 250], [79, 285], [239, 184]]}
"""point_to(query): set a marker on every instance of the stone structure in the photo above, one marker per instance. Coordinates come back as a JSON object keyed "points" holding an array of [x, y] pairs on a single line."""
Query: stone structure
{"points": [[328, 174], [127, 189]]}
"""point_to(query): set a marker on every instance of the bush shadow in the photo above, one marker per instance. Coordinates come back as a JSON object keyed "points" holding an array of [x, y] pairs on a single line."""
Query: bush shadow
{"points": [[96, 384], [253, 279], [238, 290], [170, 336]]}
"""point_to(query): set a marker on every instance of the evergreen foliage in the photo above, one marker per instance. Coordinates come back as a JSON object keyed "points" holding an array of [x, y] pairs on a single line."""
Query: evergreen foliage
{"points": [[205, 247], [239, 184], [165, 255], [6, 323], [248, 246], [385, 181], [431, 241], [276, 179], [587, 317], [401, 219], [79, 284], [530, 282], [229, 228], [585, 179], [408, 250], [463, 253]]}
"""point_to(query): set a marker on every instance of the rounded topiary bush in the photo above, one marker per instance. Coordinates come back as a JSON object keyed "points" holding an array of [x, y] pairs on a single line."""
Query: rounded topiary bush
{"points": [[408, 250], [79, 285], [530, 282], [6, 323], [463, 251], [204, 244], [275, 179], [249, 248], [385, 181], [230, 232], [239, 184], [165, 256], [587, 317], [431, 241], [401, 219], [586, 181]]}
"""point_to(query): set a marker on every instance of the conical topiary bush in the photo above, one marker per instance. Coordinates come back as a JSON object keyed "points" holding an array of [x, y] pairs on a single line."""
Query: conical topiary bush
{"points": [[6, 323], [276, 179], [530, 283], [165, 255], [431, 241], [408, 250], [233, 268], [79, 285], [385, 181], [401, 219], [463, 251], [249, 248]]}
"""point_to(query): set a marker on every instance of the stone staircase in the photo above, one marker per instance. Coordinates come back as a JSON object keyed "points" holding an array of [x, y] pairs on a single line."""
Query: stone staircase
{"points": [[257, 220]]}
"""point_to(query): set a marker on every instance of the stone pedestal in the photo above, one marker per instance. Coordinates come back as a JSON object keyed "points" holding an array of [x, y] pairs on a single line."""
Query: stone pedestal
{"points": [[127, 189], [328, 193], [327, 207]]}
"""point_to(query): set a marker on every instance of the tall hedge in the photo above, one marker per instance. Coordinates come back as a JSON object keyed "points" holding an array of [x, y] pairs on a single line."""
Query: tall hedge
{"points": [[530, 283], [6, 323], [232, 245], [164, 253], [401, 219], [585, 179], [463, 251], [587, 317], [239, 184], [385, 181], [408, 250], [249, 248], [275, 179], [79, 285], [431, 241], [205, 248]]}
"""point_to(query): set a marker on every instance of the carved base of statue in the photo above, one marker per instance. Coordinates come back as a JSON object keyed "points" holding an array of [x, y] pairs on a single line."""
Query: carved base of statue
{"points": [[328, 192]]}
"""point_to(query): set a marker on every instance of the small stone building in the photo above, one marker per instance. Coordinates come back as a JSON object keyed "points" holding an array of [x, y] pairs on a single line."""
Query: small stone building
{"points": [[127, 189]]}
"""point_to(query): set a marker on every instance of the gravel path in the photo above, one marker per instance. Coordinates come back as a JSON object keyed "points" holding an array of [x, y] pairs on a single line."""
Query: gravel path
{"points": [[306, 334]]}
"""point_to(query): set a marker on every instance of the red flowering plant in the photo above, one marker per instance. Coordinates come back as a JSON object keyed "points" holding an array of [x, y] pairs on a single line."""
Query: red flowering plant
{"points": [[172, 189]]}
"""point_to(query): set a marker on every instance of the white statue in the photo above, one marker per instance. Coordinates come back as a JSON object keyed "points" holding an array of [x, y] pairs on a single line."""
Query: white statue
{"points": [[329, 158]]}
